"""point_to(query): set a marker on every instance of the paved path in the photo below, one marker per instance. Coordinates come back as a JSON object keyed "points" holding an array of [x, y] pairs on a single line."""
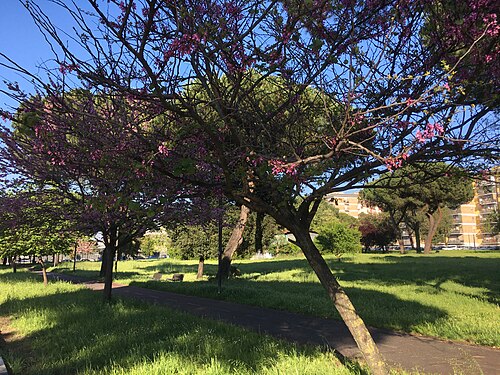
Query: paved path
{"points": [[400, 350]]}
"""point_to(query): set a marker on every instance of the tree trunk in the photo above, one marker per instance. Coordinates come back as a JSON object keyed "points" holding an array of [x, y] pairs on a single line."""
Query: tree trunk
{"points": [[401, 245], [55, 257], [433, 226], [108, 272], [110, 251], [201, 265], [234, 242], [116, 261], [4, 261], [259, 233], [343, 305], [13, 264], [104, 260], [74, 257], [44, 272], [417, 238]]}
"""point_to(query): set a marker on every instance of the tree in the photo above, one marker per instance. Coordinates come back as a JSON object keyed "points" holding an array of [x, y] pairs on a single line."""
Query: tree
{"points": [[493, 222], [34, 222], [376, 230], [339, 239], [421, 189], [83, 145], [357, 92], [155, 243], [448, 187]]}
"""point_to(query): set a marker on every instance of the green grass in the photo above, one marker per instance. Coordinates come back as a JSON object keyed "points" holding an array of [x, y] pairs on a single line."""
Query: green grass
{"points": [[451, 295], [66, 329]]}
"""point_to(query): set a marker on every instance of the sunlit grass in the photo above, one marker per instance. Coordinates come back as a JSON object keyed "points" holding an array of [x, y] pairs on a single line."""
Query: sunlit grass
{"points": [[66, 329], [452, 295]]}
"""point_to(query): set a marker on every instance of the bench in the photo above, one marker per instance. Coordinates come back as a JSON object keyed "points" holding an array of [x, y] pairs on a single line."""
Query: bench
{"points": [[175, 277], [157, 276]]}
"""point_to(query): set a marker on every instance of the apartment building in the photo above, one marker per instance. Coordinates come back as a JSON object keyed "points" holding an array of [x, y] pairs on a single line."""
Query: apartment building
{"points": [[470, 220], [349, 203]]}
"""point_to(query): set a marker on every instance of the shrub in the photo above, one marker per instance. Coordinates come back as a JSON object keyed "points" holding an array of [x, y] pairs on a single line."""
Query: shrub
{"points": [[338, 239]]}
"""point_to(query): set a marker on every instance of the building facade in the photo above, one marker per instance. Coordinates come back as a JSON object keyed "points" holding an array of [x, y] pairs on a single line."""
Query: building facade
{"points": [[471, 221], [349, 203]]}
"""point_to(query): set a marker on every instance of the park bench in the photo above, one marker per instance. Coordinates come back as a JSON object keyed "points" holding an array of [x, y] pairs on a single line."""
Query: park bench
{"points": [[175, 277], [157, 276]]}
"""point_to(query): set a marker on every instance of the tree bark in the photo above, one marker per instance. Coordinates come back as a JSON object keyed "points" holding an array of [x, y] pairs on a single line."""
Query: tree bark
{"points": [[55, 257], [234, 242], [259, 248], [74, 257], [104, 260], [13, 264], [343, 304], [417, 238], [111, 246], [201, 265], [44, 272], [108, 272], [401, 245], [433, 226]]}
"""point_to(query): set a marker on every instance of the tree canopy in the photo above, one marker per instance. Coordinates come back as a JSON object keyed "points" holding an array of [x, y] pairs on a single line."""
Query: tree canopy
{"points": [[345, 90]]}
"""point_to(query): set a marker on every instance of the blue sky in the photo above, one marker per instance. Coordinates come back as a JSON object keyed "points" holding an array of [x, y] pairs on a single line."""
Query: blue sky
{"points": [[21, 40]]}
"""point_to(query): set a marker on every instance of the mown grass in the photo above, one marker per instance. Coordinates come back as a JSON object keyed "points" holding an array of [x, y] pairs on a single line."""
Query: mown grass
{"points": [[452, 295], [66, 329]]}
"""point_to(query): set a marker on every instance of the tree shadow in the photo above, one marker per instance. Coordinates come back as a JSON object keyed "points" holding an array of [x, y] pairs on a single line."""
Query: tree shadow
{"points": [[391, 270], [311, 299], [83, 334]]}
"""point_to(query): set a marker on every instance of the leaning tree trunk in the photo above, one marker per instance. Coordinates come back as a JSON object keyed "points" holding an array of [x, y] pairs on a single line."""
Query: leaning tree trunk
{"points": [[343, 305], [433, 226], [259, 233], [234, 242]]}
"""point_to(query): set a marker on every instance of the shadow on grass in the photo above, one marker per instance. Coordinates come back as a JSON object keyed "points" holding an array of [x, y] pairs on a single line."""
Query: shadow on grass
{"points": [[425, 271], [310, 299], [74, 333]]}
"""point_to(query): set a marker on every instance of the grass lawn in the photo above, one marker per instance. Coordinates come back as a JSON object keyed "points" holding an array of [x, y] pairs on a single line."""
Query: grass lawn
{"points": [[66, 329], [451, 294]]}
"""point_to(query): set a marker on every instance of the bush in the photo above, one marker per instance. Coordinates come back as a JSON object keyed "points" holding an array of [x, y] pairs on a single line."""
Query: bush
{"points": [[338, 239]]}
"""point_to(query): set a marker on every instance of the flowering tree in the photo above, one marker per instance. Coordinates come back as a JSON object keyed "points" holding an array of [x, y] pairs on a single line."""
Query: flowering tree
{"points": [[358, 88], [84, 146]]}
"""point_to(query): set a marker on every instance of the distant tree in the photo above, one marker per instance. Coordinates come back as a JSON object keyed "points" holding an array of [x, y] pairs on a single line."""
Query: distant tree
{"points": [[444, 228], [35, 223], [155, 242], [328, 213], [261, 228], [338, 239], [376, 230], [493, 222], [423, 188]]}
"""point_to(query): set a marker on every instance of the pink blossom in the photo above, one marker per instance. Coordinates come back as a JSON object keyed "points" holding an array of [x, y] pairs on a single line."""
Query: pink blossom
{"points": [[279, 167], [162, 149]]}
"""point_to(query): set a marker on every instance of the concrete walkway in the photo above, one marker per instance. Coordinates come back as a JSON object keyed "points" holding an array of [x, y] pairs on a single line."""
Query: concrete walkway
{"points": [[405, 351]]}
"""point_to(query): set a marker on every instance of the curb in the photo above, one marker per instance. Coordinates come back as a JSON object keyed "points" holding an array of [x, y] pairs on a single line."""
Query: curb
{"points": [[3, 368]]}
